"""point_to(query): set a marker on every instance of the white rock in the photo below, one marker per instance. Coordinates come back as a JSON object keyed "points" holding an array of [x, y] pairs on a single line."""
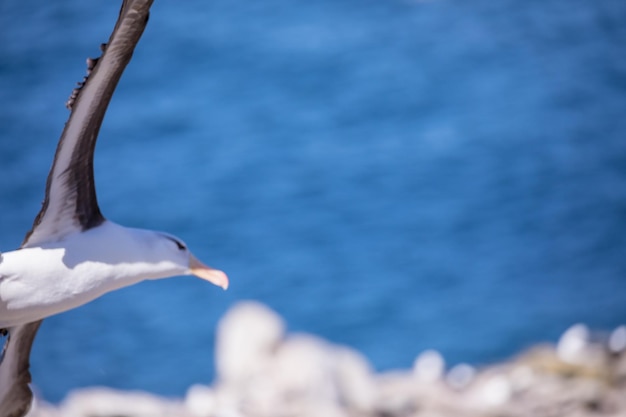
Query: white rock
{"points": [[617, 340], [460, 376], [522, 377], [429, 366], [396, 393], [303, 368], [109, 402], [495, 391], [40, 408], [355, 380], [572, 344], [228, 401], [263, 374], [247, 336], [201, 401]]}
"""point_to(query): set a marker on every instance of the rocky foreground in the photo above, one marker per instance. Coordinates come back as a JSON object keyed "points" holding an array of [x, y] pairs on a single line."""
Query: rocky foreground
{"points": [[264, 373]]}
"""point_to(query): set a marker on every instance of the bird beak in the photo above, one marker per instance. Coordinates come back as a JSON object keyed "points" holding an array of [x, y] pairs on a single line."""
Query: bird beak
{"points": [[214, 276]]}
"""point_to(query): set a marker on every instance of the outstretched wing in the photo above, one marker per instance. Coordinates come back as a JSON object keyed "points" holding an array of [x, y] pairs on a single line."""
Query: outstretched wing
{"points": [[70, 203], [15, 395]]}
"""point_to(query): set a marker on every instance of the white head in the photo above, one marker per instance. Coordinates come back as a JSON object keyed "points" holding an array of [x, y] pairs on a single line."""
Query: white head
{"points": [[180, 255], [163, 255], [132, 255]]}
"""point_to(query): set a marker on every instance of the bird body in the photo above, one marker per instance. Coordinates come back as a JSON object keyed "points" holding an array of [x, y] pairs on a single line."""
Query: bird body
{"points": [[73, 254], [39, 281]]}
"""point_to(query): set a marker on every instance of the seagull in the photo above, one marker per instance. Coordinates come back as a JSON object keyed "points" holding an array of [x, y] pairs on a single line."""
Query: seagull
{"points": [[73, 254]]}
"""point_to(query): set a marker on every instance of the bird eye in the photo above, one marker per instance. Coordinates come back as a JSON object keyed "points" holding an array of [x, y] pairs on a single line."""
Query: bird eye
{"points": [[179, 244]]}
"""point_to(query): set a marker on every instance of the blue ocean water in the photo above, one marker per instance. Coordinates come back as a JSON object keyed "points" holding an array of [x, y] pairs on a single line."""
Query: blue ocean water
{"points": [[394, 175]]}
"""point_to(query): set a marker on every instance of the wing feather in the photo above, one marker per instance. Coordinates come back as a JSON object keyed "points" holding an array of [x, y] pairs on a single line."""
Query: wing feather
{"points": [[15, 395], [70, 204]]}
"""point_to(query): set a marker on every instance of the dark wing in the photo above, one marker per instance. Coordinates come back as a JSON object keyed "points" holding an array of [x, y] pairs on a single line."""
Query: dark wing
{"points": [[70, 204], [15, 395]]}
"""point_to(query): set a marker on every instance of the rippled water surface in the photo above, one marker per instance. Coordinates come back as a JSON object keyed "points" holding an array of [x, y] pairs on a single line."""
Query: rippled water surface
{"points": [[392, 175]]}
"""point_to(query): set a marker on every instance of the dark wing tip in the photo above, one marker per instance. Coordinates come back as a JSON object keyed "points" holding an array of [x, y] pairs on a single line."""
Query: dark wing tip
{"points": [[16, 399], [70, 188]]}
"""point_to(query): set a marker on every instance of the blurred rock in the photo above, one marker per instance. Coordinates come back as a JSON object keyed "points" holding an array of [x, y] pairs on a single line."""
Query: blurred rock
{"points": [[262, 372], [201, 401], [617, 340], [460, 376], [106, 402], [247, 336], [572, 344], [355, 380], [429, 366]]}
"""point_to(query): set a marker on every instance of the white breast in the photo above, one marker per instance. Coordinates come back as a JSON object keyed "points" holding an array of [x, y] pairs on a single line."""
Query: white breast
{"points": [[41, 281]]}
